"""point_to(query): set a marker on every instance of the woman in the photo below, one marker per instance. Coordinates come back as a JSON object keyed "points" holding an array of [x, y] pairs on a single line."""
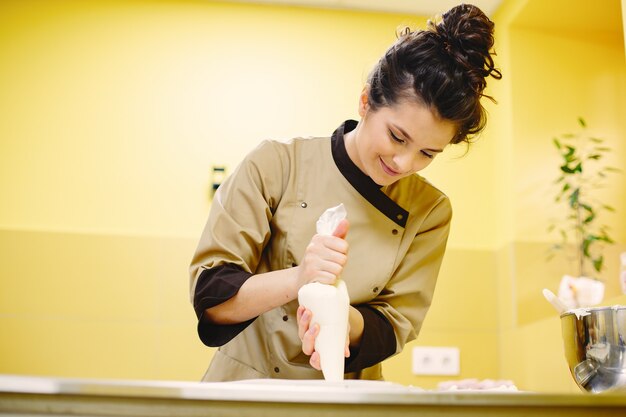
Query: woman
{"points": [[259, 245]]}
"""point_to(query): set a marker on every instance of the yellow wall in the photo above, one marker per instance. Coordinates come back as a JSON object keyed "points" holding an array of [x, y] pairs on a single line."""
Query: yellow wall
{"points": [[556, 78], [115, 111], [118, 108], [559, 68]]}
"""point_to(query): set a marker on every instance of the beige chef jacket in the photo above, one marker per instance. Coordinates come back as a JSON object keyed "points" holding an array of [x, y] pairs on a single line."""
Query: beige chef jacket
{"points": [[263, 217]]}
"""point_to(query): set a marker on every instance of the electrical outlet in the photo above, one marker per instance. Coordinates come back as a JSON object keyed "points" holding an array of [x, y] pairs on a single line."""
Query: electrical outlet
{"points": [[429, 360]]}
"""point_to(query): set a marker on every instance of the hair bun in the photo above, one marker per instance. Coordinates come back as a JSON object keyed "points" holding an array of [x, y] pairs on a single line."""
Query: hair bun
{"points": [[444, 67], [466, 34]]}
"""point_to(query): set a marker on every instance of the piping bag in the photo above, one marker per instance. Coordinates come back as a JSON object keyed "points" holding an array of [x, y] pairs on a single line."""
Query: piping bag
{"points": [[330, 305]]}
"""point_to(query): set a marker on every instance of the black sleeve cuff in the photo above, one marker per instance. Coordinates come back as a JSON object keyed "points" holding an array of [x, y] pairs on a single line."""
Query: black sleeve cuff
{"points": [[215, 286], [377, 343]]}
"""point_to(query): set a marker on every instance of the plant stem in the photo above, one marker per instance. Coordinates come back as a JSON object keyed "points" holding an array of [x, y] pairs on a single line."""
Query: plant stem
{"points": [[581, 240]]}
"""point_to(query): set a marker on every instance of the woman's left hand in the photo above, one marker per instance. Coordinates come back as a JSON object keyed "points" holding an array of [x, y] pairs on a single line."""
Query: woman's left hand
{"points": [[308, 333]]}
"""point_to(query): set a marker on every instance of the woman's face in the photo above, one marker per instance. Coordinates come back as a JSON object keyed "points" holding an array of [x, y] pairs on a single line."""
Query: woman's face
{"points": [[394, 142]]}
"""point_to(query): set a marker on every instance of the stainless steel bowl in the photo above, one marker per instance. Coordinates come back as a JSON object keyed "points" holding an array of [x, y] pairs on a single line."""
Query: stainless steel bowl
{"points": [[595, 348]]}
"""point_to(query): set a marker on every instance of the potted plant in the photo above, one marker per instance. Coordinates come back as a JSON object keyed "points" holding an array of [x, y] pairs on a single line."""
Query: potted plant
{"points": [[582, 171]]}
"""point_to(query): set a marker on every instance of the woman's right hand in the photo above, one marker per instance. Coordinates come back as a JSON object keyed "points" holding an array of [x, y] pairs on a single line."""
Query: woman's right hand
{"points": [[308, 334], [324, 257]]}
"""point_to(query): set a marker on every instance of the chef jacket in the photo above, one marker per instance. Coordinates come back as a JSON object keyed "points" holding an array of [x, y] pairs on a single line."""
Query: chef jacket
{"points": [[263, 217]]}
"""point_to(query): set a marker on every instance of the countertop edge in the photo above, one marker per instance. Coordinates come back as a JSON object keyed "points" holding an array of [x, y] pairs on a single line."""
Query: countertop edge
{"points": [[316, 392]]}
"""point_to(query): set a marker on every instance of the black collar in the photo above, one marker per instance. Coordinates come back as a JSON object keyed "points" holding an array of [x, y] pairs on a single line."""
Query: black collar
{"points": [[361, 182]]}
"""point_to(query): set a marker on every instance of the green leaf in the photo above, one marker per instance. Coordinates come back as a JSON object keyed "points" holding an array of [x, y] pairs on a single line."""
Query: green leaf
{"points": [[573, 198], [586, 244], [568, 135], [551, 228], [607, 207], [589, 219], [556, 143], [606, 239], [595, 156], [569, 159], [586, 207], [601, 148], [612, 169], [598, 262], [581, 122], [596, 140], [568, 170]]}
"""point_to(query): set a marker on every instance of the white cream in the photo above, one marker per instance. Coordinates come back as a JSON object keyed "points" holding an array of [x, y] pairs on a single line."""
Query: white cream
{"points": [[329, 305], [580, 312]]}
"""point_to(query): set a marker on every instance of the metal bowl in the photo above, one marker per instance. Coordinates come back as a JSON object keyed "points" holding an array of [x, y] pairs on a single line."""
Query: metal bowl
{"points": [[595, 347]]}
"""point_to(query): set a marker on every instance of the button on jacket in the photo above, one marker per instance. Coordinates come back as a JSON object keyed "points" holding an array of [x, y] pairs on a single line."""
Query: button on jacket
{"points": [[263, 217]]}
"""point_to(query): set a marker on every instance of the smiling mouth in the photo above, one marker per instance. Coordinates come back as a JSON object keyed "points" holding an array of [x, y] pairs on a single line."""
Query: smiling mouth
{"points": [[388, 170]]}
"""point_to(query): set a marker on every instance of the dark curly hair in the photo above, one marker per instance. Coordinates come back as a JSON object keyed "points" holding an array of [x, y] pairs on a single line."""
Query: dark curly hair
{"points": [[444, 67]]}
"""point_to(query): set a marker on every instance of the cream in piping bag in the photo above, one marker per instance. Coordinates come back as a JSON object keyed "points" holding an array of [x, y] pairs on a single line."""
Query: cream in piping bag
{"points": [[329, 305]]}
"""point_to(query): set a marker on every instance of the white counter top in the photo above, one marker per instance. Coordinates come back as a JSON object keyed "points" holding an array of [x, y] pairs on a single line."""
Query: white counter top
{"points": [[62, 396]]}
